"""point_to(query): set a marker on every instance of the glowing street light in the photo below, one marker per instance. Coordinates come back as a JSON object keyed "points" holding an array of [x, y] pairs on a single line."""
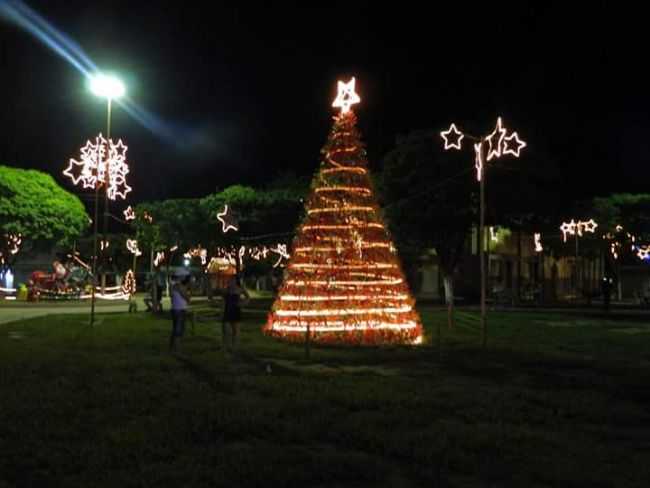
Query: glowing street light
{"points": [[107, 86]]}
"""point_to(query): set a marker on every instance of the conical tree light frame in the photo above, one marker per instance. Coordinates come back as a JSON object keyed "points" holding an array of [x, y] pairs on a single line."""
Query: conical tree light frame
{"points": [[344, 283]]}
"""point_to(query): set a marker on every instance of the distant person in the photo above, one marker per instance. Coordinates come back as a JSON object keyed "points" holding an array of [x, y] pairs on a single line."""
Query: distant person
{"points": [[606, 286], [232, 312], [180, 298], [156, 288]]}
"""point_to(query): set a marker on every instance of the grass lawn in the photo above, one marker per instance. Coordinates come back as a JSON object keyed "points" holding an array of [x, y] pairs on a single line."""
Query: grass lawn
{"points": [[556, 400]]}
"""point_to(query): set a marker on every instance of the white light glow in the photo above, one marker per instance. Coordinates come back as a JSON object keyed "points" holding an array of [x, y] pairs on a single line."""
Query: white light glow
{"points": [[107, 86], [346, 96]]}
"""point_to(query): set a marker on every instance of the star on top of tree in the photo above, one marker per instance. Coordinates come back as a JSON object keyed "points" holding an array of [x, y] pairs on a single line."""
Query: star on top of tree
{"points": [[227, 220], [346, 96]]}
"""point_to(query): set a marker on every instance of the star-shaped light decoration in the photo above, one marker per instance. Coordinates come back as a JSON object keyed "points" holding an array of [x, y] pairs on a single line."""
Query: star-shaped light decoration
{"points": [[227, 220], [513, 145], [568, 228], [452, 137], [132, 246], [495, 141], [589, 226], [281, 251], [129, 214], [346, 96], [101, 163]]}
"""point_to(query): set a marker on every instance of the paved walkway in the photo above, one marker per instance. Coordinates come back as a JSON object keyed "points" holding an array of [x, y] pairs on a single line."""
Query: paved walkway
{"points": [[21, 311]]}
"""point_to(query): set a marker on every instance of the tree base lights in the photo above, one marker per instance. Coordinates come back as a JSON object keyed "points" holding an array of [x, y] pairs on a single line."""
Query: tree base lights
{"points": [[344, 283]]}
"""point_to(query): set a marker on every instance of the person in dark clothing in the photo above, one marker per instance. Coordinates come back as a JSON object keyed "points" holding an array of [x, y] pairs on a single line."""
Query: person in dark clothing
{"points": [[606, 286], [232, 312]]}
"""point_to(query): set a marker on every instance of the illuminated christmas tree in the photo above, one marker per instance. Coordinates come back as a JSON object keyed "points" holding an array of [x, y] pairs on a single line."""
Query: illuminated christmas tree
{"points": [[344, 282]]}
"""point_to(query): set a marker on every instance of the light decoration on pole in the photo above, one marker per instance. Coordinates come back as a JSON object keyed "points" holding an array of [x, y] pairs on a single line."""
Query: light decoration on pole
{"points": [[227, 220], [102, 163], [128, 285], [129, 214], [343, 283], [493, 146], [132, 246], [573, 227], [538, 242]]}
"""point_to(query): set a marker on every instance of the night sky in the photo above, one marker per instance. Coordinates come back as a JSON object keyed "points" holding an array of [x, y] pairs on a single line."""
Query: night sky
{"points": [[246, 91]]}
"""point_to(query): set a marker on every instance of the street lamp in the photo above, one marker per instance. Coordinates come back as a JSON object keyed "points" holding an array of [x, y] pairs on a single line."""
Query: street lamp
{"points": [[110, 88], [493, 146]]}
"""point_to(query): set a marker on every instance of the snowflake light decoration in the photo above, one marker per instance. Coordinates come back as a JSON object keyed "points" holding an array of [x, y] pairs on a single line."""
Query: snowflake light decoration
{"points": [[101, 163], [132, 246]]}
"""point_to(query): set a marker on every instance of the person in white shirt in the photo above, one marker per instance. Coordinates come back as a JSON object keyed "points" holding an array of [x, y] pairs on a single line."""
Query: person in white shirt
{"points": [[180, 299]]}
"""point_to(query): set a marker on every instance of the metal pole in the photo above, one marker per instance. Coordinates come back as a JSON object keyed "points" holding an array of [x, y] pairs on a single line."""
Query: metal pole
{"points": [[106, 176], [482, 250], [577, 270], [94, 276]]}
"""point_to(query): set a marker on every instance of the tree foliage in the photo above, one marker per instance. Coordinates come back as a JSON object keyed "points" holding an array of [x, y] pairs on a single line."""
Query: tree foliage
{"points": [[430, 199], [34, 205]]}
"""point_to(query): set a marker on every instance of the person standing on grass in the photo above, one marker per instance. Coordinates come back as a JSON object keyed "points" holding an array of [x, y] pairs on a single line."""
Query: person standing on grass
{"points": [[232, 312], [180, 298]]}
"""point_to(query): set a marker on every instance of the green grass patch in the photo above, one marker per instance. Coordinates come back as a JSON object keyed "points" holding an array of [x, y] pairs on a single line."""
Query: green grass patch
{"points": [[555, 400]]}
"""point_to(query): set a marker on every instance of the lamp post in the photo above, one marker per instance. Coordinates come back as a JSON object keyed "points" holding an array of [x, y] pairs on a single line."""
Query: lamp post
{"points": [[108, 87], [486, 148], [576, 229]]}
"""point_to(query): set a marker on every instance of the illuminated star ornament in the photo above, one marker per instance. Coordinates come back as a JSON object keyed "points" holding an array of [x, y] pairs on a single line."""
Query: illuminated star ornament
{"points": [[513, 145], [452, 137], [498, 143], [346, 96], [568, 228], [227, 220], [101, 163], [495, 141], [129, 214]]}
